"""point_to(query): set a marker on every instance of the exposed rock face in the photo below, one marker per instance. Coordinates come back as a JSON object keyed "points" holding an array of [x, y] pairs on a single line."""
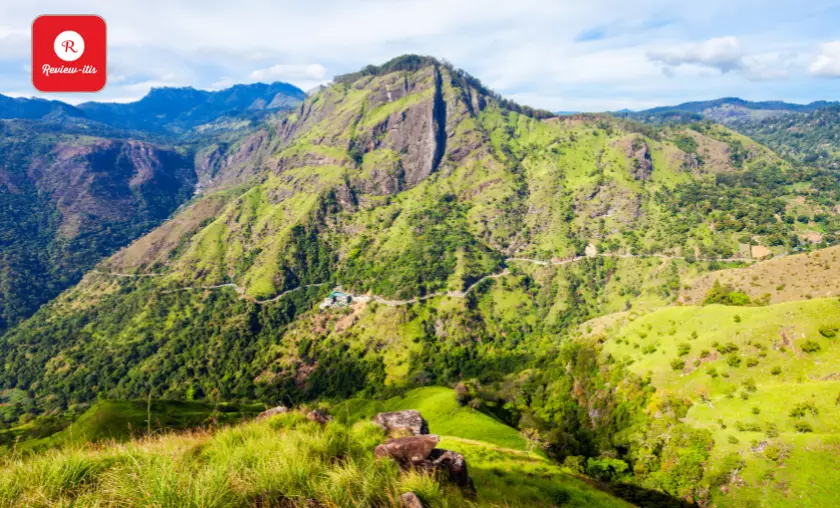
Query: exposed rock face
{"points": [[279, 410], [409, 420], [410, 500], [408, 450], [640, 160], [453, 465], [316, 415]]}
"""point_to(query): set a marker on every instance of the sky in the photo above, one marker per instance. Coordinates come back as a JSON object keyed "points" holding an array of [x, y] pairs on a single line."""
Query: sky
{"points": [[560, 55]]}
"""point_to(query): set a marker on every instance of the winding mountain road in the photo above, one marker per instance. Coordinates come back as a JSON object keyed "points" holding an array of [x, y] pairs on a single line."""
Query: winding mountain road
{"points": [[394, 303]]}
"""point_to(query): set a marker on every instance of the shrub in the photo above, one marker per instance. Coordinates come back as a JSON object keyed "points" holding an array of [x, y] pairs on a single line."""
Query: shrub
{"points": [[705, 353], [802, 427], [606, 468], [749, 385], [776, 370], [733, 360], [810, 346], [733, 440], [727, 348], [712, 372], [828, 331], [752, 362], [756, 410], [684, 348], [737, 318], [575, 463], [731, 465], [804, 408]]}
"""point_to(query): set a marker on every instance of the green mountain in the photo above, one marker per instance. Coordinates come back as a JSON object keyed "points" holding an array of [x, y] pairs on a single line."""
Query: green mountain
{"points": [[480, 242], [178, 110], [727, 110]]}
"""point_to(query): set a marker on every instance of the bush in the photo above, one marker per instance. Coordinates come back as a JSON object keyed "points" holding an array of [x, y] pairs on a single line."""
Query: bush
{"points": [[828, 331], [678, 364], [727, 348], [810, 346], [803, 409], [606, 468], [733, 360], [712, 372], [575, 463], [776, 370], [802, 427], [752, 362], [684, 348]]}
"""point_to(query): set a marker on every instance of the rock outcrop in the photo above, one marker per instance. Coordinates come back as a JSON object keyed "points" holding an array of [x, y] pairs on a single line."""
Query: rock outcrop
{"points": [[409, 420], [453, 465], [410, 500], [640, 159], [420, 451], [316, 415], [279, 410], [408, 451]]}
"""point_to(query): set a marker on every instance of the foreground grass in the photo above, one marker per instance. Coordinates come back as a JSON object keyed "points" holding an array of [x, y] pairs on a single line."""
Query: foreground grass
{"points": [[285, 461]]}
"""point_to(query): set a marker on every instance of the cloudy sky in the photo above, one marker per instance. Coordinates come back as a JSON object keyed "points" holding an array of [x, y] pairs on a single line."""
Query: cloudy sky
{"points": [[569, 55]]}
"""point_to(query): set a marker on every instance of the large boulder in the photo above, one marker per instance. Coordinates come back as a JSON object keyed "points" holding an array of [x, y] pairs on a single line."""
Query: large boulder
{"points": [[409, 420], [316, 415], [452, 465], [279, 410], [410, 500], [409, 450]]}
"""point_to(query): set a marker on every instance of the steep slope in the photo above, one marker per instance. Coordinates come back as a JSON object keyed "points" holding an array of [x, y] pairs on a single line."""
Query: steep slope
{"points": [[69, 200]]}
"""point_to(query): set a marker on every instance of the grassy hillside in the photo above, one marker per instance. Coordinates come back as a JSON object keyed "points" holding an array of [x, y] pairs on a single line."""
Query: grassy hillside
{"points": [[445, 416], [285, 461], [763, 381]]}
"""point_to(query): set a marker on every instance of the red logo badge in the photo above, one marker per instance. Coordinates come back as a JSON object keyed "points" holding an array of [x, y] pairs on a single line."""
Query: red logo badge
{"points": [[68, 53]]}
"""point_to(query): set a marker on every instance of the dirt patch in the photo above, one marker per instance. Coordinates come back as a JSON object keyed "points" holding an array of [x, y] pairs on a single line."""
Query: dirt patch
{"points": [[812, 236], [760, 251]]}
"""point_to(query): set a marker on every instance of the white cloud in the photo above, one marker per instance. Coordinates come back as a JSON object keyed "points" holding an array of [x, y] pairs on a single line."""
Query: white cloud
{"points": [[827, 63], [574, 54], [281, 72], [722, 53]]}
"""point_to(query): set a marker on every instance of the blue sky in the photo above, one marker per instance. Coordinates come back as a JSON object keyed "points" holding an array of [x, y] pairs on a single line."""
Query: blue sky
{"points": [[591, 55]]}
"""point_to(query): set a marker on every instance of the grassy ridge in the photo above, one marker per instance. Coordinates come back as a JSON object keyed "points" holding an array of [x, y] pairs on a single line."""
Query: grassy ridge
{"points": [[445, 416], [285, 461], [122, 419]]}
